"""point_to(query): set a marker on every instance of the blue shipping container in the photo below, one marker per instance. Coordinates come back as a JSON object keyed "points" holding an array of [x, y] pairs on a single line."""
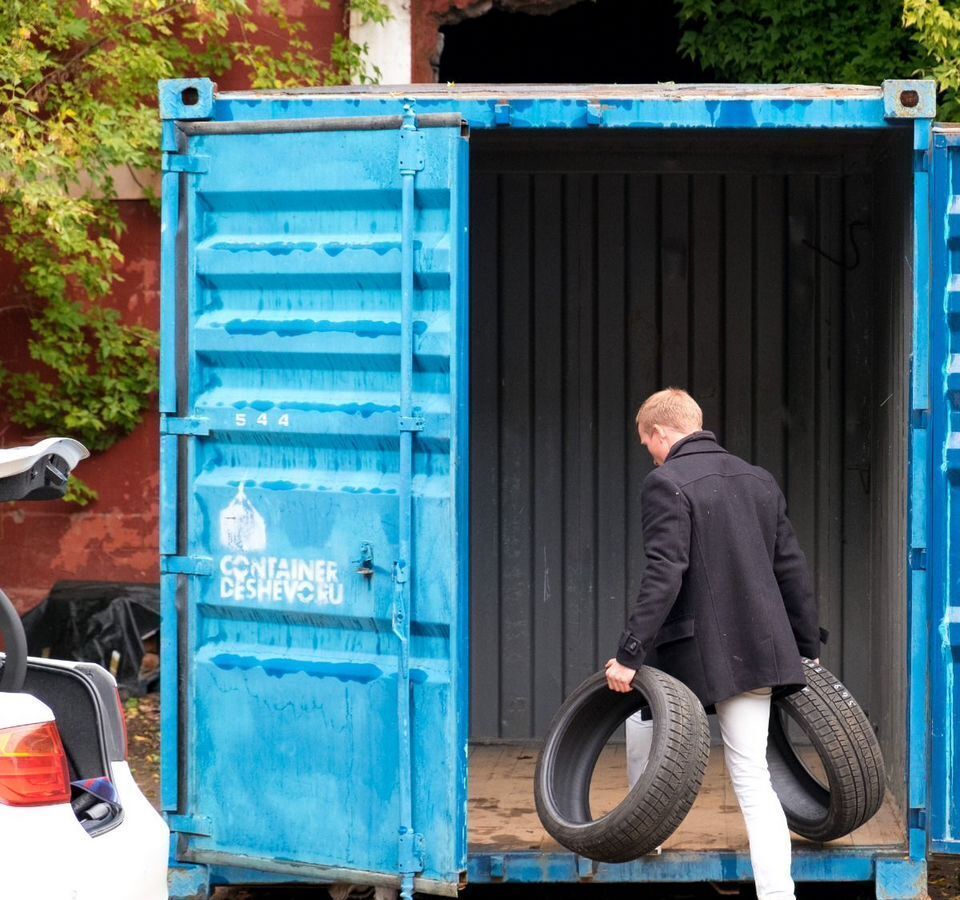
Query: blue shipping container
{"points": [[319, 306]]}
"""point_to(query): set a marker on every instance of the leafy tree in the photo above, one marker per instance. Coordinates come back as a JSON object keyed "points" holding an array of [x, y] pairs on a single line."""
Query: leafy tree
{"points": [[936, 31], [769, 41], [78, 81]]}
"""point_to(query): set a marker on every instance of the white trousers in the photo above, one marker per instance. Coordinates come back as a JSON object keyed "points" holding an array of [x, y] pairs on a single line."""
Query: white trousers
{"points": [[744, 723]]}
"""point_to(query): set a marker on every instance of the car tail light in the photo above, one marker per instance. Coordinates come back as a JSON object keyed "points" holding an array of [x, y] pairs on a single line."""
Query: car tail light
{"points": [[33, 766], [123, 720]]}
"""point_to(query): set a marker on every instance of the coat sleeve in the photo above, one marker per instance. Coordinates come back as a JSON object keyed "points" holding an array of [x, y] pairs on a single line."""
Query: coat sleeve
{"points": [[666, 544], [796, 587]]}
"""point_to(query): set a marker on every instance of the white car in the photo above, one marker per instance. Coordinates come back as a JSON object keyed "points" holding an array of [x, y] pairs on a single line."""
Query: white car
{"points": [[73, 823]]}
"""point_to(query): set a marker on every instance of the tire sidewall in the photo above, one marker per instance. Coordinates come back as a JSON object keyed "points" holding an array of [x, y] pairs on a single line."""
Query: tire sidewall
{"points": [[649, 685]]}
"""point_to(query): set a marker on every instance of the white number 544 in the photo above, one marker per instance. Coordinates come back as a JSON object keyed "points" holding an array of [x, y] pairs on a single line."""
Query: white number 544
{"points": [[240, 420]]}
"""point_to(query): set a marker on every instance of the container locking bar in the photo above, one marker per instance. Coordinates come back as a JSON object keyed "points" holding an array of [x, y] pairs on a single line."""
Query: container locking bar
{"points": [[411, 423], [348, 123], [411, 159]]}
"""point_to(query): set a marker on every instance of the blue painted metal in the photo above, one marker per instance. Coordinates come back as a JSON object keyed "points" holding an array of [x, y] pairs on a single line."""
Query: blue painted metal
{"points": [[169, 700], [175, 162], [186, 565], [898, 879], [460, 449], [586, 868], [169, 622], [191, 425], [189, 824], [319, 390], [918, 513], [892, 872], [319, 400], [534, 867], [943, 561], [411, 161], [186, 98]]}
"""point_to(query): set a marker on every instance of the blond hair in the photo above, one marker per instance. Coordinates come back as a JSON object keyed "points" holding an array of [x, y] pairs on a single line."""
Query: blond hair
{"points": [[671, 408]]}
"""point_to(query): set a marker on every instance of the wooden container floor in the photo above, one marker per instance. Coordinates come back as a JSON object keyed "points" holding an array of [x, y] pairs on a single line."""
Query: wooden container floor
{"points": [[502, 815]]}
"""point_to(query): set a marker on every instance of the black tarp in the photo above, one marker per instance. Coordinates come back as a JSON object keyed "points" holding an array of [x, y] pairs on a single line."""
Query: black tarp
{"points": [[105, 622]]}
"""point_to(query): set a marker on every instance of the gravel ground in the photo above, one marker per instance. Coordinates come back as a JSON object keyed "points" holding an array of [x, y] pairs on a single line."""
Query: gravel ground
{"points": [[143, 725]]}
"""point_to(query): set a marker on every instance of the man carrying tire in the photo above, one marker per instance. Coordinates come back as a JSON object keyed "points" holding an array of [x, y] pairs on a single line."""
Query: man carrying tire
{"points": [[726, 605]]}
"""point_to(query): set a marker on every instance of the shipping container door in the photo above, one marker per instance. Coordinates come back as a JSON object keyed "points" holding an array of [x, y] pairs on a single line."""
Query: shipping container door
{"points": [[944, 553], [319, 497]]}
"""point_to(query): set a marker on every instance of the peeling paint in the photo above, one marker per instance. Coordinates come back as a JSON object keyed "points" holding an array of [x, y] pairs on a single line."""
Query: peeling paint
{"points": [[278, 668]]}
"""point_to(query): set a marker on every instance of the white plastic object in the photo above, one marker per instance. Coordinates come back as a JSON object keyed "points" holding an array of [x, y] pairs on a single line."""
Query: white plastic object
{"points": [[15, 460]]}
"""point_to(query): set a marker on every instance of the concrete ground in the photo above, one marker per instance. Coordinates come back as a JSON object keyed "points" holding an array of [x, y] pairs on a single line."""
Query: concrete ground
{"points": [[143, 723]]}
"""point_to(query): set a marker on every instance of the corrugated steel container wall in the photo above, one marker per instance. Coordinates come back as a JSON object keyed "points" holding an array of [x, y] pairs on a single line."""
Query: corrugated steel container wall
{"points": [[758, 278]]}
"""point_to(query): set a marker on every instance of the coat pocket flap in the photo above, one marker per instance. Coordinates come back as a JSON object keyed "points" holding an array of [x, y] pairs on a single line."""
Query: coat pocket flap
{"points": [[674, 631]]}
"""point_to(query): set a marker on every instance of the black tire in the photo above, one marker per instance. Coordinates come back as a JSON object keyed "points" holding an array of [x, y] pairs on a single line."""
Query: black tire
{"points": [[849, 752], [15, 642], [658, 802]]}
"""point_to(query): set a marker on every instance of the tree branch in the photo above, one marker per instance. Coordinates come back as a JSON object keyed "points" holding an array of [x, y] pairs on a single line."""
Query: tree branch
{"points": [[96, 45]]}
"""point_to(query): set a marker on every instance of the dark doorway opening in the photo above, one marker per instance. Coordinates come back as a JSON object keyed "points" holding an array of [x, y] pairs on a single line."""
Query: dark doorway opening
{"points": [[596, 41]]}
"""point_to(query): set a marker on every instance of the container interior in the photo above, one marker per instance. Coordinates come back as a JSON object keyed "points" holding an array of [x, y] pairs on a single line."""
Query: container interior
{"points": [[767, 273]]}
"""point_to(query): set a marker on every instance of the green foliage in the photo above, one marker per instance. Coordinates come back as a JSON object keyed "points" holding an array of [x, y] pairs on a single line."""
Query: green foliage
{"points": [[94, 356], [936, 30], [79, 492], [78, 81], [766, 41]]}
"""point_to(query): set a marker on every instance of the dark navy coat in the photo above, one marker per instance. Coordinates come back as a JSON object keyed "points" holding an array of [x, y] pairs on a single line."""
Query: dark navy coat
{"points": [[726, 603]]}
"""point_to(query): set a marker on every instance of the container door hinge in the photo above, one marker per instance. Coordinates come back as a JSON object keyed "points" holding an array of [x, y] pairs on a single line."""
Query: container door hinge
{"points": [[400, 575], [918, 818], [918, 558], [411, 852], [180, 162], [196, 425], [189, 824], [186, 565]]}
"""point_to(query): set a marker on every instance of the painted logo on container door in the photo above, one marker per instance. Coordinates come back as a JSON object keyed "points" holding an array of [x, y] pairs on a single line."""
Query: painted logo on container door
{"points": [[246, 574], [241, 527]]}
